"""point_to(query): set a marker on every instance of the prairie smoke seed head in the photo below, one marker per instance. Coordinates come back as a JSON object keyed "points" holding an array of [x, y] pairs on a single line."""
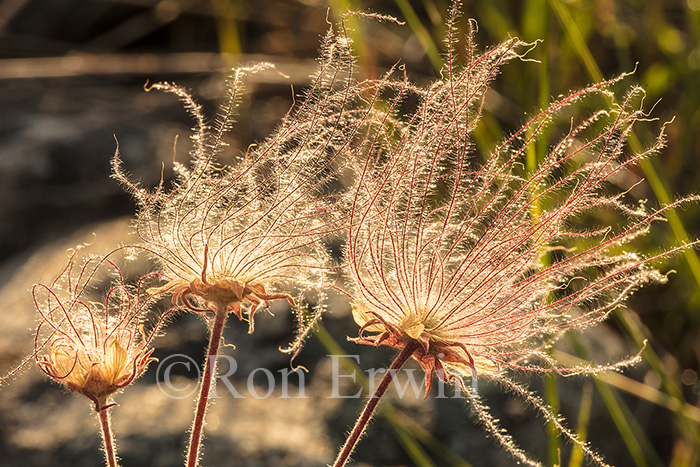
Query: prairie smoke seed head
{"points": [[485, 264], [482, 262], [93, 348], [242, 235]]}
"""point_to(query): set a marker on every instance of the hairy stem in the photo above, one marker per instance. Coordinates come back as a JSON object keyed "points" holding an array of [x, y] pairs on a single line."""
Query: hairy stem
{"points": [[205, 387], [107, 437], [372, 403]]}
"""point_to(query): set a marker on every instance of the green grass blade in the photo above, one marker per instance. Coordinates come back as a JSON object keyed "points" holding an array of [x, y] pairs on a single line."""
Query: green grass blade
{"points": [[534, 26], [650, 172], [636, 441], [412, 448], [551, 395], [687, 425], [584, 417], [421, 32]]}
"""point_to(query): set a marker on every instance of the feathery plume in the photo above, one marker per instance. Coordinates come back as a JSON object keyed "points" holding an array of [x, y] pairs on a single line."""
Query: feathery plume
{"points": [[233, 238], [473, 266], [241, 235], [95, 348]]}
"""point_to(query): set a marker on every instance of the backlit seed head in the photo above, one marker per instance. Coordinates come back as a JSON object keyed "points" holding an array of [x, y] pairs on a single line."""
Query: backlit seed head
{"points": [[93, 348], [480, 260], [244, 234]]}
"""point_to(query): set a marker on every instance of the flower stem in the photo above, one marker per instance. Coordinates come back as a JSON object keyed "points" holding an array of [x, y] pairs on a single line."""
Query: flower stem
{"points": [[107, 437], [372, 403], [205, 387]]}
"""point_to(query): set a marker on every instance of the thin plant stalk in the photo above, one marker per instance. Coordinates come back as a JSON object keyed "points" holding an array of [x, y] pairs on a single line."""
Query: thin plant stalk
{"points": [[408, 431], [107, 437], [372, 403], [205, 387]]}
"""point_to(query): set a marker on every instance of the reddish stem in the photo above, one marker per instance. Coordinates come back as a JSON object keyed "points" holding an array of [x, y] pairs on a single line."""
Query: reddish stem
{"points": [[372, 403], [205, 387], [107, 437]]}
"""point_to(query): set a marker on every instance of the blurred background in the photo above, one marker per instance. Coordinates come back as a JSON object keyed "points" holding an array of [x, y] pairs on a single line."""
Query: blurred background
{"points": [[72, 76]]}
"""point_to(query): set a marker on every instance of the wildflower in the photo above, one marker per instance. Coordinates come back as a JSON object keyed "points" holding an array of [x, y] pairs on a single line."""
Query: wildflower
{"points": [[93, 348], [238, 235], [474, 268], [231, 239]]}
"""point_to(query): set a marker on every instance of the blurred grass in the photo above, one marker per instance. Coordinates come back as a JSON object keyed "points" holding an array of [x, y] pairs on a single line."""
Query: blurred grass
{"points": [[633, 435]]}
